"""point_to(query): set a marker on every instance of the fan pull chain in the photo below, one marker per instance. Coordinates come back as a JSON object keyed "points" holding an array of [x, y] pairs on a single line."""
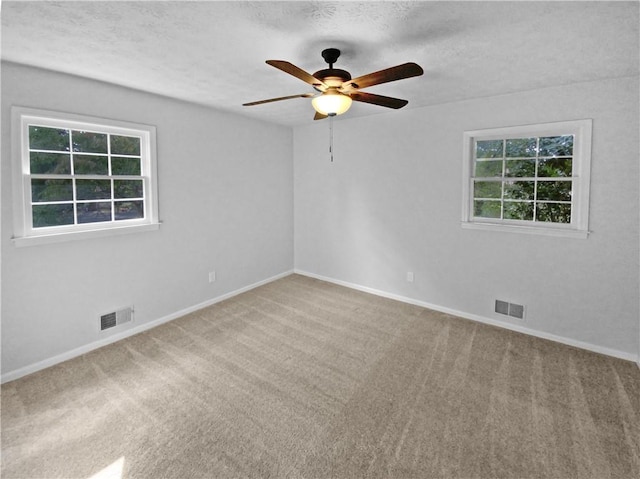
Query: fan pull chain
{"points": [[331, 137]]}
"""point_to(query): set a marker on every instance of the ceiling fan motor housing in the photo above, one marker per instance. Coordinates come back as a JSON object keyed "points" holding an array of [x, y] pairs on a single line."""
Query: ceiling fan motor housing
{"points": [[333, 77]]}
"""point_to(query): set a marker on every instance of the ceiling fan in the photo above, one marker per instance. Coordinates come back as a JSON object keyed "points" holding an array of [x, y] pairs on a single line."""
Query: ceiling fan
{"points": [[337, 89]]}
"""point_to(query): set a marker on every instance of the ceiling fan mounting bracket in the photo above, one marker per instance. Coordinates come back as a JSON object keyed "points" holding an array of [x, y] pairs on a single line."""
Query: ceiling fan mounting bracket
{"points": [[330, 55]]}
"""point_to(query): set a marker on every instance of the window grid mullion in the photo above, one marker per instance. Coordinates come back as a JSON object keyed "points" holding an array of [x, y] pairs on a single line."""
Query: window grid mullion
{"points": [[504, 171], [113, 203], [110, 171], [535, 185], [75, 201], [73, 178]]}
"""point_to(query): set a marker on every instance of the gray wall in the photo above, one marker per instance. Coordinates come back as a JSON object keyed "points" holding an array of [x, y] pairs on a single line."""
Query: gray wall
{"points": [[391, 203], [236, 194], [225, 199]]}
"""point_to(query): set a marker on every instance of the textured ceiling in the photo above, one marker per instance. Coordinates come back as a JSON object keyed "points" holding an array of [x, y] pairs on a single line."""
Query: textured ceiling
{"points": [[214, 53]]}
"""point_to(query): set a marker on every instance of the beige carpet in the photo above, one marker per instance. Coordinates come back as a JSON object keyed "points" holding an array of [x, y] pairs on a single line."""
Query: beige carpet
{"points": [[300, 378]]}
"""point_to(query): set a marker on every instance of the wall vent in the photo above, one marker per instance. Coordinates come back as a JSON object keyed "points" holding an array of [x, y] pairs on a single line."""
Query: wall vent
{"points": [[114, 318], [502, 307], [510, 309]]}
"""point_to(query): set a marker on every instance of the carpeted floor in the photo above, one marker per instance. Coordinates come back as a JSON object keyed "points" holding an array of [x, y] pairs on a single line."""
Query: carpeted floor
{"points": [[301, 378]]}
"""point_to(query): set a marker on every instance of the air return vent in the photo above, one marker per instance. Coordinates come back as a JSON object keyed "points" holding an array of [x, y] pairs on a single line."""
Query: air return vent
{"points": [[510, 309], [114, 318], [502, 307]]}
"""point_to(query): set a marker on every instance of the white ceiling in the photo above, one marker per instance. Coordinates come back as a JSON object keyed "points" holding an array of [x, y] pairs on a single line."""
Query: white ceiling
{"points": [[214, 53]]}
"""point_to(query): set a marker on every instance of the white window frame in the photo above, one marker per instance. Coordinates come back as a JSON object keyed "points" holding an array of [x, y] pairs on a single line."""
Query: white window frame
{"points": [[581, 163], [24, 232]]}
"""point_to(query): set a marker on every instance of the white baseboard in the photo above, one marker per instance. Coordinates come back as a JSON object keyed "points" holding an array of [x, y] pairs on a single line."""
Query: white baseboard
{"points": [[482, 319], [32, 368]]}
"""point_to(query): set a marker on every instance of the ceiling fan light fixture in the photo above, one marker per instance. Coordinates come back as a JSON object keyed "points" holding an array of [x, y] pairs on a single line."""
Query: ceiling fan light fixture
{"points": [[338, 90], [331, 103]]}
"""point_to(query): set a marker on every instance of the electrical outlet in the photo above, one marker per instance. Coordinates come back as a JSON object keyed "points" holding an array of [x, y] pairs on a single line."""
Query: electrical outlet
{"points": [[410, 276], [212, 276]]}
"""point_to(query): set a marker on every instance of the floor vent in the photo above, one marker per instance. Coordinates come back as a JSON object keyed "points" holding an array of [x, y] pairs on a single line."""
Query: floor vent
{"points": [[114, 318], [510, 309]]}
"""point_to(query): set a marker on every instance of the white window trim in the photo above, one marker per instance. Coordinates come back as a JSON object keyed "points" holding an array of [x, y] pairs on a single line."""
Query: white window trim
{"points": [[24, 234], [579, 226]]}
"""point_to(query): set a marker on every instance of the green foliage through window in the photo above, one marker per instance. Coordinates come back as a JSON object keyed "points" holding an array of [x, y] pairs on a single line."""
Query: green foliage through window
{"points": [[80, 176], [525, 179]]}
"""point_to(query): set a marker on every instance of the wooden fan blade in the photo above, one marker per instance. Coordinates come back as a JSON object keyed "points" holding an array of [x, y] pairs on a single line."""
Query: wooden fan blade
{"points": [[291, 69], [400, 72], [260, 102], [320, 116], [380, 100]]}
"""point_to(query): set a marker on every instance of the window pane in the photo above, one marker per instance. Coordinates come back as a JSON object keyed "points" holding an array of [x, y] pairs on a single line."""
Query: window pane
{"points": [[489, 149], [125, 145], [89, 142], [487, 169], [51, 190], [50, 163], [554, 190], [125, 166], [90, 165], [55, 139], [128, 189], [520, 168], [553, 212], [127, 210], [518, 210], [521, 147], [52, 215], [93, 189], [556, 146], [519, 190], [487, 189], [486, 209], [555, 167], [94, 212]]}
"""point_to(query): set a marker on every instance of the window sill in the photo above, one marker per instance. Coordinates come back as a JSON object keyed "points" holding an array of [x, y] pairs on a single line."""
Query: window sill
{"points": [[80, 235], [536, 230]]}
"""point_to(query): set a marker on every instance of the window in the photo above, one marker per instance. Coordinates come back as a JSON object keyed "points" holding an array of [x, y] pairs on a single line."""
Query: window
{"points": [[532, 179], [77, 177]]}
